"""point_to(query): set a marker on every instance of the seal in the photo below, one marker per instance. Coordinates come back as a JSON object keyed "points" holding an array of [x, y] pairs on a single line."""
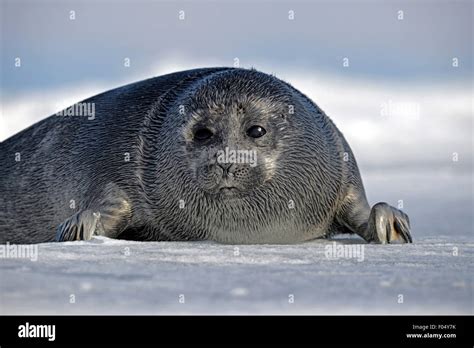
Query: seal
{"points": [[223, 154]]}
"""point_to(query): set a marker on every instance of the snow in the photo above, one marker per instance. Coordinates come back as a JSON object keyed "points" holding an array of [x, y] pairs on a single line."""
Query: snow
{"points": [[121, 277], [105, 276]]}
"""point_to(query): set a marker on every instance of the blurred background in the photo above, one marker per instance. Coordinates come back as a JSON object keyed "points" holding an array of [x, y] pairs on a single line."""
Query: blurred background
{"points": [[396, 77]]}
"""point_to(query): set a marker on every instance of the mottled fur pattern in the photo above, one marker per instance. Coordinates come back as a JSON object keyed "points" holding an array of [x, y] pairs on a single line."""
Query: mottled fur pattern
{"points": [[301, 189]]}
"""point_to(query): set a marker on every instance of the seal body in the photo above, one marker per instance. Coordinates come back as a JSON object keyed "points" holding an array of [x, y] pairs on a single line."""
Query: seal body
{"points": [[223, 154]]}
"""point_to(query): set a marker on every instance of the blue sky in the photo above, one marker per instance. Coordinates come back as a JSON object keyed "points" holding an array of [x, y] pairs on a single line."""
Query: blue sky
{"points": [[57, 51]]}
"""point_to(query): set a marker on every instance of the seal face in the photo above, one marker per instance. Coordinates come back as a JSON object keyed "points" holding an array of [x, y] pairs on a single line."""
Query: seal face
{"points": [[230, 155], [232, 137]]}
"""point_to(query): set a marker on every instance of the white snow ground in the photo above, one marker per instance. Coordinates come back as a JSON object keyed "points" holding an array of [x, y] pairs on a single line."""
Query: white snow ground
{"points": [[106, 276], [213, 280]]}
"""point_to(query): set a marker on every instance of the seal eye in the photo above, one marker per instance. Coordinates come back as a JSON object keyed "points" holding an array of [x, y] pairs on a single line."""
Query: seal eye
{"points": [[202, 134], [256, 132]]}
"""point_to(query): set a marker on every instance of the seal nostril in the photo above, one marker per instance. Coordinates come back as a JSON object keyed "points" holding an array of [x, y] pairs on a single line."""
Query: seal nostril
{"points": [[227, 168]]}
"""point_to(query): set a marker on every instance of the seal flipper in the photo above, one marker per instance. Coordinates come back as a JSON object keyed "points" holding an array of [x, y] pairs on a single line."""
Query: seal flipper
{"points": [[80, 226], [381, 224], [111, 217], [387, 224]]}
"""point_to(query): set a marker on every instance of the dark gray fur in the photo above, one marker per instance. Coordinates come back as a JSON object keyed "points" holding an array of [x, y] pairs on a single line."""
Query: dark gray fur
{"points": [[72, 158]]}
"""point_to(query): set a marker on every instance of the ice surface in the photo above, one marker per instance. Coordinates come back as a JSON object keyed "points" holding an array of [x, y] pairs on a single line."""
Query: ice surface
{"points": [[434, 275], [260, 279]]}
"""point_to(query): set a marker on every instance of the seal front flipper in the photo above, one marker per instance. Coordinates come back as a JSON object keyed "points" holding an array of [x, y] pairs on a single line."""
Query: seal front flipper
{"points": [[381, 224], [387, 224], [109, 218], [80, 226]]}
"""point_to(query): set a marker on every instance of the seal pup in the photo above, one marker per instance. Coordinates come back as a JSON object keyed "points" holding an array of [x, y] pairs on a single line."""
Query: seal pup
{"points": [[223, 154]]}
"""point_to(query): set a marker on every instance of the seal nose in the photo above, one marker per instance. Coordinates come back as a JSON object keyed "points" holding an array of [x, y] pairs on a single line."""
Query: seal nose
{"points": [[227, 169]]}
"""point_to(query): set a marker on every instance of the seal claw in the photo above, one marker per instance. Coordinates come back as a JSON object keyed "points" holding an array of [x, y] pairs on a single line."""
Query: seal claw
{"points": [[80, 226]]}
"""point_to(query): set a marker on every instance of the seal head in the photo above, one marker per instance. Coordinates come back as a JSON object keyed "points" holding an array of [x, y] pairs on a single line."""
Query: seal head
{"points": [[235, 150]]}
